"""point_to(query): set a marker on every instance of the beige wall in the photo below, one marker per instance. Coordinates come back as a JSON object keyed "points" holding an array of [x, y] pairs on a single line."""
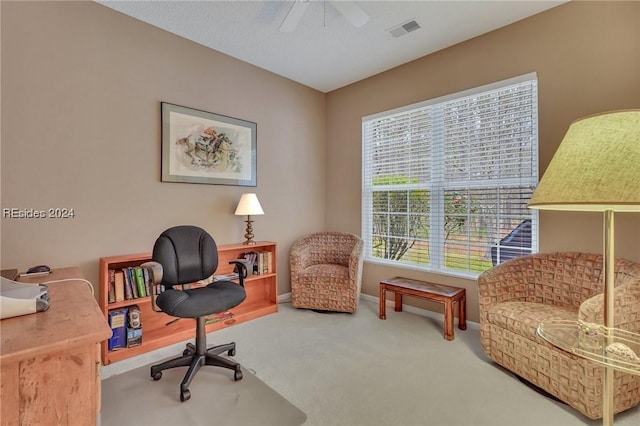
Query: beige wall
{"points": [[81, 92], [587, 57]]}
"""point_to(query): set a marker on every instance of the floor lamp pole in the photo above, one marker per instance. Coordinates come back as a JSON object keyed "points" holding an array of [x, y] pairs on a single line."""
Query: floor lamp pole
{"points": [[609, 276]]}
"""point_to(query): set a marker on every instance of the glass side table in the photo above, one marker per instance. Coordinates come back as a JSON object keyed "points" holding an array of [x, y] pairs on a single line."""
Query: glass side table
{"points": [[609, 347], [613, 348]]}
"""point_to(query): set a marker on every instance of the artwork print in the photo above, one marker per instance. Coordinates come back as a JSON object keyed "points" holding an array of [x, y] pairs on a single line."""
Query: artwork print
{"points": [[202, 147]]}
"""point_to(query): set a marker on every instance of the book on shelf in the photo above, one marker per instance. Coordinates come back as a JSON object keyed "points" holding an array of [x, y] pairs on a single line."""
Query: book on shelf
{"points": [[118, 323], [134, 327], [139, 276], [250, 261], [128, 291], [119, 285], [112, 286], [262, 261], [147, 280], [134, 337], [132, 280], [131, 283], [267, 260]]}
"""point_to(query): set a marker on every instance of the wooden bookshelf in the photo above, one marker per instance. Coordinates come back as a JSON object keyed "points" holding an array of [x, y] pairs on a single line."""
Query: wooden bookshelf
{"points": [[262, 299]]}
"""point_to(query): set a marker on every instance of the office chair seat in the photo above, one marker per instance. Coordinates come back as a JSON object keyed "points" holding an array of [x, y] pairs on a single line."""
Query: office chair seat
{"points": [[193, 303], [183, 255]]}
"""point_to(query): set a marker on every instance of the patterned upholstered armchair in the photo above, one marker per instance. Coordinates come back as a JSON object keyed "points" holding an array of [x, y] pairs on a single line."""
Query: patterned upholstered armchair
{"points": [[519, 294], [326, 271]]}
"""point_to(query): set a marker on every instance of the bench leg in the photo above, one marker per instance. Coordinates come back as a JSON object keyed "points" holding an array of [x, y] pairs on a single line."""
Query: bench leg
{"points": [[383, 300], [448, 320], [462, 313], [398, 302]]}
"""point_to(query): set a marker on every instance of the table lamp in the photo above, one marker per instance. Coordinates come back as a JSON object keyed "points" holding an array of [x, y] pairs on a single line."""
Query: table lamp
{"points": [[249, 206], [597, 168]]}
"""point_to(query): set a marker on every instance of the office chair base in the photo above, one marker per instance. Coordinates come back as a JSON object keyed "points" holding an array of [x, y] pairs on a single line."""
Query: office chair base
{"points": [[230, 348], [195, 356], [190, 358]]}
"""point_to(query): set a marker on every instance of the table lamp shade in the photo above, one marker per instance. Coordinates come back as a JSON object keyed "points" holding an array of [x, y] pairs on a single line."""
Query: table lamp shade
{"points": [[596, 167], [249, 205]]}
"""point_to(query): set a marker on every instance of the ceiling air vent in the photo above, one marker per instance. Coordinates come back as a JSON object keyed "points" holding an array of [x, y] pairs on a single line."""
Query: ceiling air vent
{"points": [[402, 29]]}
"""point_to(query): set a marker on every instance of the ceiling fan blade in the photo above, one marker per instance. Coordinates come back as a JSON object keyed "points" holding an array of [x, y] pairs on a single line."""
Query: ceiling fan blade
{"points": [[293, 17], [351, 11]]}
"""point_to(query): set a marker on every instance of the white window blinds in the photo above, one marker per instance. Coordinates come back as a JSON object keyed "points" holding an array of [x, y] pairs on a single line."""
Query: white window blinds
{"points": [[446, 182]]}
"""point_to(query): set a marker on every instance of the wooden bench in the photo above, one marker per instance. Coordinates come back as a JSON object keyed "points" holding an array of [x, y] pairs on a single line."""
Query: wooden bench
{"points": [[425, 290]]}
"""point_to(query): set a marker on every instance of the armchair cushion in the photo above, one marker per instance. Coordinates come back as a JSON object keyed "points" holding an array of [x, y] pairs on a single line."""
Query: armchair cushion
{"points": [[523, 318], [337, 273]]}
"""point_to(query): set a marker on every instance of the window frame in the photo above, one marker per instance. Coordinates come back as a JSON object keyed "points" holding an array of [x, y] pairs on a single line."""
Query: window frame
{"points": [[436, 226]]}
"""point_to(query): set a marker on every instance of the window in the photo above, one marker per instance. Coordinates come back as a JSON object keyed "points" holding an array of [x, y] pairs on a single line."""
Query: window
{"points": [[446, 182]]}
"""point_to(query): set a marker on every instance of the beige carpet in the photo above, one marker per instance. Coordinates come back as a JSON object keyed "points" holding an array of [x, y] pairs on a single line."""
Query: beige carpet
{"points": [[354, 370], [133, 398]]}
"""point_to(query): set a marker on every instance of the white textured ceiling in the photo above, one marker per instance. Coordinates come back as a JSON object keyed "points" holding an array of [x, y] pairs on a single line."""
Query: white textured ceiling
{"points": [[325, 51]]}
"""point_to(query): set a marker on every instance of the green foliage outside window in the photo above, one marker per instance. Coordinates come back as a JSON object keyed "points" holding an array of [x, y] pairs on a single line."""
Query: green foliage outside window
{"points": [[400, 216]]}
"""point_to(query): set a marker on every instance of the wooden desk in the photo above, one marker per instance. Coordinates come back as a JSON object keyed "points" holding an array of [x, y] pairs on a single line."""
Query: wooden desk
{"points": [[49, 361], [430, 291]]}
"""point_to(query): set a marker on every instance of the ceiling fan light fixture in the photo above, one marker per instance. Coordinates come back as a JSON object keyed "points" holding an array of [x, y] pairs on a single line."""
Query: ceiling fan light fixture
{"points": [[349, 9], [294, 16]]}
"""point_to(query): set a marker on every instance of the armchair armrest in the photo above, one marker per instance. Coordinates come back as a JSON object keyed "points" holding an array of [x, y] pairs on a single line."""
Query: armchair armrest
{"points": [[300, 257], [355, 262], [504, 282], [626, 302], [155, 270]]}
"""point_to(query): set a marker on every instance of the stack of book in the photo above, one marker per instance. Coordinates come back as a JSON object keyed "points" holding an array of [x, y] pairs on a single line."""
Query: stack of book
{"points": [[126, 328], [129, 283], [262, 261]]}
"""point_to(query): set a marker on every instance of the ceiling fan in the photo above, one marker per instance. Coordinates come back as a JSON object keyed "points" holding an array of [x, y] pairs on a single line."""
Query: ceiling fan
{"points": [[349, 10]]}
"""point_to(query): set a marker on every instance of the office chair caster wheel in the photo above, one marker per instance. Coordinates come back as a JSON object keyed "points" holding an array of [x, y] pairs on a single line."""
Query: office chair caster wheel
{"points": [[231, 352], [157, 376], [185, 394], [190, 350], [237, 375]]}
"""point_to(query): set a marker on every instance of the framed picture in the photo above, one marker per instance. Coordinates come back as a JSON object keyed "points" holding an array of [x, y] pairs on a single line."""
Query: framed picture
{"points": [[202, 147]]}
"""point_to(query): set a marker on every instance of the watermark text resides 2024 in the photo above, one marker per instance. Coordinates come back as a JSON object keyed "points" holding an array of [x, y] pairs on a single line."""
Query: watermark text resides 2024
{"points": [[51, 213]]}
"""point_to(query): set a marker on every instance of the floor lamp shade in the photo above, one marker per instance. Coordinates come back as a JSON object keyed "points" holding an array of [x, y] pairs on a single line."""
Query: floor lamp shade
{"points": [[596, 167]]}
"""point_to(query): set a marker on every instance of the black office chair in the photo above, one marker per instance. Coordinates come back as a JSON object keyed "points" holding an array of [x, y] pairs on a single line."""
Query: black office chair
{"points": [[183, 255]]}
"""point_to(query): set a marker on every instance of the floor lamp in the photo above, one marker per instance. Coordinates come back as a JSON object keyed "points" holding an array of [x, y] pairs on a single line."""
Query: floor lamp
{"points": [[597, 168]]}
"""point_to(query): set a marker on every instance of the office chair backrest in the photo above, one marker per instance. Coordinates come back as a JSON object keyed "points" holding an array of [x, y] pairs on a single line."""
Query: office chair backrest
{"points": [[187, 254]]}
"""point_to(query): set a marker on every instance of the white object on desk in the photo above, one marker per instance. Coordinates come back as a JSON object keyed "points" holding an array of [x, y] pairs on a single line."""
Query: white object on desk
{"points": [[21, 299]]}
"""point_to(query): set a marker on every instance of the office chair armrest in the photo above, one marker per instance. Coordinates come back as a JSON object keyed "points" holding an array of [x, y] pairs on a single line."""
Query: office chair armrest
{"points": [[155, 270], [242, 270]]}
